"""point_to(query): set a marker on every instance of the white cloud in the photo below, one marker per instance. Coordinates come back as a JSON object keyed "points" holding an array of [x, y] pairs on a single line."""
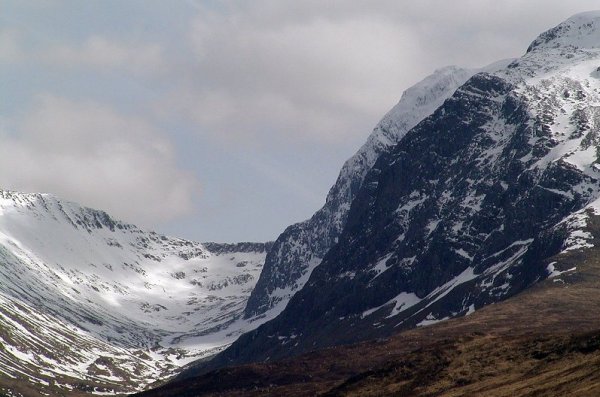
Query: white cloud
{"points": [[315, 72], [89, 153], [96, 52], [10, 50], [315, 80], [266, 78], [104, 54]]}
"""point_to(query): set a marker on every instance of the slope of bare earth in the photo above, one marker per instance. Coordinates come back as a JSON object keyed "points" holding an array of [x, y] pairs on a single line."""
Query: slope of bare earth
{"points": [[542, 342]]}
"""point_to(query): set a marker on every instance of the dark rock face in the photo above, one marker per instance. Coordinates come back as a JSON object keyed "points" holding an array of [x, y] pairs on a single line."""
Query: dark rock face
{"points": [[302, 246], [460, 214], [289, 258], [225, 248]]}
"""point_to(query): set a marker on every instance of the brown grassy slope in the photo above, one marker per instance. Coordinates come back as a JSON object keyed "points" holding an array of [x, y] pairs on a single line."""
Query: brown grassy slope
{"points": [[489, 366], [542, 342]]}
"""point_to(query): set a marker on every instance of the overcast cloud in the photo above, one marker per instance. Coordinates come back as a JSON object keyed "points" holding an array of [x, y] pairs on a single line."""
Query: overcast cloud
{"points": [[223, 120], [91, 153]]}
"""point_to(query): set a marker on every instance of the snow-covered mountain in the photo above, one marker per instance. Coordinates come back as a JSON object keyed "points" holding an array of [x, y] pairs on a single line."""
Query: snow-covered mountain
{"points": [[471, 206], [302, 246], [90, 302]]}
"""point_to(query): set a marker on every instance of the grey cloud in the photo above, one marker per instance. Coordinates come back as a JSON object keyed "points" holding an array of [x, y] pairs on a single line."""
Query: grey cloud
{"points": [[10, 51], [89, 153], [100, 52], [260, 77], [317, 81], [319, 72], [94, 52]]}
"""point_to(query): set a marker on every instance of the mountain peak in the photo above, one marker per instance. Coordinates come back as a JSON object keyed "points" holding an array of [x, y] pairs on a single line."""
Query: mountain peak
{"points": [[579, 31], [79, 288]]}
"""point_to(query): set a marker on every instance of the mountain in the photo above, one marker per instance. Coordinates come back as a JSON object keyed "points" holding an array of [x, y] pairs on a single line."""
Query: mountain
{"points": [[302, 246], [465, 210], [89, 303], [541, 342]]}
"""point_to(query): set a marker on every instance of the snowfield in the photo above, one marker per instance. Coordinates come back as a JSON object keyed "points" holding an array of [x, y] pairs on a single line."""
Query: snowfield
{"points": [[86, 297]]}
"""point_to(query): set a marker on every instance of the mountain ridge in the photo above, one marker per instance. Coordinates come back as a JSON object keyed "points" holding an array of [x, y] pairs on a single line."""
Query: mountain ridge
{"points": [[539, 342], [464, 211], [123, 307], [301, 247]]}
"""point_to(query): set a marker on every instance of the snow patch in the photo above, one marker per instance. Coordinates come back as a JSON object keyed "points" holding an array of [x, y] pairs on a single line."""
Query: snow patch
{"points": [[552, 272]]}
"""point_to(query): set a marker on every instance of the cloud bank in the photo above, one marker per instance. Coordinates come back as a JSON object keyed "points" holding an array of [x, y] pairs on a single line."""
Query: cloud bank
{"points": [[131, 106], [89, 153]]}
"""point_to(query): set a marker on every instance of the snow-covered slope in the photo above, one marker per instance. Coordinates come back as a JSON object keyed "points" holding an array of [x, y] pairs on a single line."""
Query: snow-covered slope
{"points": [[580, 31], [87, 298], [474, 204], [302, 246]]}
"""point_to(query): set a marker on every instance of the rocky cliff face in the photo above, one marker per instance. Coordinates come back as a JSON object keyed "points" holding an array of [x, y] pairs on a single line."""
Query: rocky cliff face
{"points": [[302, 246], [465, 209]]}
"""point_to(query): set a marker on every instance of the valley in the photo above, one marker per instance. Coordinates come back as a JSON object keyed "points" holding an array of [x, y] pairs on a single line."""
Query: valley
{"points": [[91, 304], [456, 254], [543, 342]]}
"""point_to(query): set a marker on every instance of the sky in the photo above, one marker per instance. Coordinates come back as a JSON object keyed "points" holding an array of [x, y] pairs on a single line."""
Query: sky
{"points": [[223, 120]]}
